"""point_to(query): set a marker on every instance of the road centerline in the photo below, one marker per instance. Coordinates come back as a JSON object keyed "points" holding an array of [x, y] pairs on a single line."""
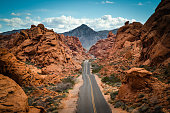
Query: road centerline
{"points": [[91, 99], [92, 95]]}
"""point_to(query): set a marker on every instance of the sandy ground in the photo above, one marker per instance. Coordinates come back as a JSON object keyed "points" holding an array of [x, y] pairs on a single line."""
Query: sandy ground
{"points": [[69, 104], [107, 97]]}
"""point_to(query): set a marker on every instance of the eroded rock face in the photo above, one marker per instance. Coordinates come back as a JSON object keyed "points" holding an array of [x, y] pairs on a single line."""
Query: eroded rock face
{"points": [[139, 85], [129, 32], [17, 70], [102, 48], [43, 47], [13, 98], [155, 36]]}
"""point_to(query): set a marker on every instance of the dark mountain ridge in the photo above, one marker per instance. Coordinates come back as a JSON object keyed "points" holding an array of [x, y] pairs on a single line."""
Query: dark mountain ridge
{"points": [[11, 32], [87, 35]]}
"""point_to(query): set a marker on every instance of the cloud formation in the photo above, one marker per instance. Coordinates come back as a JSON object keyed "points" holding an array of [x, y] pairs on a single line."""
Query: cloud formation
{"points": [[15, 14], [107, 2], [67, 23], [19, 14], [19, 23], [140, 3]]}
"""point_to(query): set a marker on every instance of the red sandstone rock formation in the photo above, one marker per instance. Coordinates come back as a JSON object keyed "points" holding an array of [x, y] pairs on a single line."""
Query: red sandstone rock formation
{"points": [[13, 98], [139, 85], [155, 36], [17, 70], [45, 49], [102, 48]]}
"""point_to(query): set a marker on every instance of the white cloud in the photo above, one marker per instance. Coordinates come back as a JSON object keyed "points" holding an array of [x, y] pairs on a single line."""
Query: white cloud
{"points": [[19, 14], [19, 23], [16, 14], [28, 14], [0, 26], [140, 3], [38, 17], [27, 17], [107, 2], [67, 23]]}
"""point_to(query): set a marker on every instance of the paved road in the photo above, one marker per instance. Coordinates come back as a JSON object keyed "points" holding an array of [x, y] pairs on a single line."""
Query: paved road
{"points": [[91, 99]]}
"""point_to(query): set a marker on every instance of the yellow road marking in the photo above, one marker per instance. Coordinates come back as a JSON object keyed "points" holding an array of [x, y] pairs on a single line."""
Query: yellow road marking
{"points": [[94, 108]]}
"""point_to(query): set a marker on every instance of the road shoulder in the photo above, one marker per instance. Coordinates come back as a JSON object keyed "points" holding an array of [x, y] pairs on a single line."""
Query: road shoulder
{"points": [[69, 104]]}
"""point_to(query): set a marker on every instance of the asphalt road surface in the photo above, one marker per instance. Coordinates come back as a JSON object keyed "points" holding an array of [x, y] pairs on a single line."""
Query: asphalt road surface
{"points": [[91, 99]]}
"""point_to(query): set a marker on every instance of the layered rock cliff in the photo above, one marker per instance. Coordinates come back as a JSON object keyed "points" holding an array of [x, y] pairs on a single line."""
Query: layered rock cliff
{"points": [[102, 48], [155, 36]]}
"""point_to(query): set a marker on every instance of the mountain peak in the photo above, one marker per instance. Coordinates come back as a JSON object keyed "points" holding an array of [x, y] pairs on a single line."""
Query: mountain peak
{"points": [[84, 26], [87, 35]]}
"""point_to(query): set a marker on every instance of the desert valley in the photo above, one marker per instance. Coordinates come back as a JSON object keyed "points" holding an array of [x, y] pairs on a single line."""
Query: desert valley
{"points": [[123, 70]]}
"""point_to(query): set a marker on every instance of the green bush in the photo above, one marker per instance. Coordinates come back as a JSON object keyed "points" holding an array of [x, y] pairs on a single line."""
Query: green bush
{"points": [[165, 74], [96, 68], [111, 80], [113, 95], [69, 79]]}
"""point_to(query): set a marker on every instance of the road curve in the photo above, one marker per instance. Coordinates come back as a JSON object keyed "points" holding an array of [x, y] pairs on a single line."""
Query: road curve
{"points": [[91, 99]]}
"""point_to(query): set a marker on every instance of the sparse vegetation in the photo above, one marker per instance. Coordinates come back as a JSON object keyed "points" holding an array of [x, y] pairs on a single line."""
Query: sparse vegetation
{"points": [[96, 68], [113, 95], [163, 75], [110, 80], [69, 79]]}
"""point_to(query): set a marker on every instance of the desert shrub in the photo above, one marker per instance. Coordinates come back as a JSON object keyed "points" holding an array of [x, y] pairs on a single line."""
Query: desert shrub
{"points": [[91, 60], [62, 87], [96, 68], [165, 74], [29, 63], [51, 84], [69, 79], [111, 80], [28, 89], [113, 95], [122, 68]]}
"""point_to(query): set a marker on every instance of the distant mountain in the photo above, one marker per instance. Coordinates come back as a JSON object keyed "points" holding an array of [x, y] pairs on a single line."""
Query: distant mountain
{"points": [[88, 36], [11, 32]]}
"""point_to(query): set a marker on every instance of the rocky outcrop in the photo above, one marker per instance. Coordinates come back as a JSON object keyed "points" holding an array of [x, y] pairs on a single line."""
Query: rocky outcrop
{"points": [[13, 98], [44, 48], [39, 60], [102, 48], [136, 44], [76, 47], [17, 70], [155, 36], [139, 87], [129, 32]]}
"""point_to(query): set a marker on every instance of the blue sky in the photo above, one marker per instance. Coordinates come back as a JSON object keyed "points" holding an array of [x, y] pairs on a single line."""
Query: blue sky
{"points": [[64, 15]]}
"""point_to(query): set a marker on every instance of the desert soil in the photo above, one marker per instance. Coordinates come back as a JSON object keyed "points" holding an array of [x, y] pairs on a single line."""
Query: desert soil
{"points": [[69, 104]]}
